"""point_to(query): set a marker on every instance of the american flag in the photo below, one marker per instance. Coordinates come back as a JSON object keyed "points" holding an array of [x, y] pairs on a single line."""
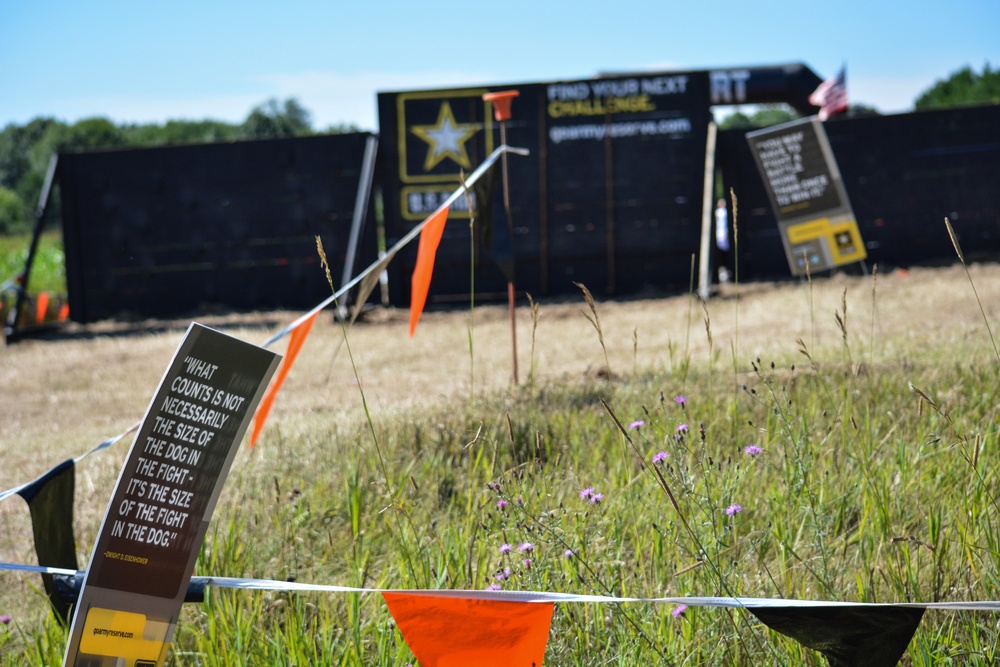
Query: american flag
{"points": [[831, 95]]}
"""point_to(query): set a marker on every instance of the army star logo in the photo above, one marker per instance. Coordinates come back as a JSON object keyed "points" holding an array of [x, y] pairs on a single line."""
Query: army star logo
{"points": [[446, 139]]}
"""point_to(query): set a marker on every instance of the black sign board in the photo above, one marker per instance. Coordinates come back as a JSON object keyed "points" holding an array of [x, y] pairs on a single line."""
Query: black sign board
{"points": [[609, 196], [800, 173], [153, 529], [796, 170]]}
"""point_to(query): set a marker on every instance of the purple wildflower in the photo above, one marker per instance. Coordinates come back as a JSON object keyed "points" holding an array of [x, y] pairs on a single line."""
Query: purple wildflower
{"points": [[5, 619], [659, 457], [586, 493], [682, 428], [569, 553], [505, 548], [520, 500], [752, 450], [679, 610], [680, 400], [526, 546], [734, 509], [501, 503], [595, 498], [638, 423], [527, 563], [494, 587]]}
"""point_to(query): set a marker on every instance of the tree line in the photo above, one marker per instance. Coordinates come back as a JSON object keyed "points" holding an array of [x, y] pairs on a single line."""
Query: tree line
{"points": [[25, 150]]}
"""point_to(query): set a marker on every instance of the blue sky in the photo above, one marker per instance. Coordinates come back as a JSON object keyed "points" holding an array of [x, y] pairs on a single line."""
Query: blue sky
{"points": [[152, 61]]}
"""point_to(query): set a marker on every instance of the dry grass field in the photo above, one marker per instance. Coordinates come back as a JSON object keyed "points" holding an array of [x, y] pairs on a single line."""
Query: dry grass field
{"points": [[64, 393]]}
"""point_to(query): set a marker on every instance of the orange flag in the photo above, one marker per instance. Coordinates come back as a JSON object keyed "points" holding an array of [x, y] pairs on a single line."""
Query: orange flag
{"points": [[41, 307], [430, 238], [455, 632], [295, 341]]}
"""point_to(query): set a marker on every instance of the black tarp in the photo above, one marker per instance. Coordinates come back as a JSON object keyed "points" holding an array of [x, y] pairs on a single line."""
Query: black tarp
{"points": [[167, 231]]}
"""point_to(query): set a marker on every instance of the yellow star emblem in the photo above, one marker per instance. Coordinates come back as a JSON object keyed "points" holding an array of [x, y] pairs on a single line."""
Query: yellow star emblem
{"points": [[446, 139]]}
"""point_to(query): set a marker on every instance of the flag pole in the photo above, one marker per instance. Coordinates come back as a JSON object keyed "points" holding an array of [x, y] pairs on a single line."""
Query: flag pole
{"points": [[501, 112]]}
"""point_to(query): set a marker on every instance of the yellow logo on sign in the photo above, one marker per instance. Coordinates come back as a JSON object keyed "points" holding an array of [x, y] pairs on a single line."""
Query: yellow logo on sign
{"points": [[441, 133], [123, 634], [842, 239], [446, 139]]}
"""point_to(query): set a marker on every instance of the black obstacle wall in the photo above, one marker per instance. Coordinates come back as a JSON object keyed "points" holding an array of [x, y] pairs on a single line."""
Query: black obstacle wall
{"points": [[611, 195], [903, 174], [170, 230]]}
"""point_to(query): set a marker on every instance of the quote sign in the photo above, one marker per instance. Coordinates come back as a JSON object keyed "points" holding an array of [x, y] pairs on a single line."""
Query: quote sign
{"points": [[800, 173], [167, 491]]}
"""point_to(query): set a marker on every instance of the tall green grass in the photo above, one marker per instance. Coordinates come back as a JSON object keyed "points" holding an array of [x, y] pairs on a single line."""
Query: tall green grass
{"points": [[48, 273], [873, 482]]}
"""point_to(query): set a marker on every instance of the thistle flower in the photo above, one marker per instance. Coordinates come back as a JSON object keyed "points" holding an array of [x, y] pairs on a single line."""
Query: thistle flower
{"points": [[501, 504], [679, 610], [752, 450], [586, 493], [596, 498], [526, 546], [638, 423], [659, 457], [734, 509], [680, 400], [682, 428], [494, 587], [505, 548], [569, 553]]}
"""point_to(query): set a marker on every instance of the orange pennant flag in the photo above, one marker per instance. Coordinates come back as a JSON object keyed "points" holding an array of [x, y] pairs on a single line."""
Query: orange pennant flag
{"points": [[41, 307], [295, 341], [455, 632], [430, 238]]}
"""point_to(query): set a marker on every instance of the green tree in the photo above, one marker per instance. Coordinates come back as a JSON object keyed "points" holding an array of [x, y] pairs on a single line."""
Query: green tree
{"points": [[87, 134], [16, 142], [181, 132], [736, 121], [763, 116], [342, 128], [273, 119], [862, 109], [962, 88], [11, 212]]}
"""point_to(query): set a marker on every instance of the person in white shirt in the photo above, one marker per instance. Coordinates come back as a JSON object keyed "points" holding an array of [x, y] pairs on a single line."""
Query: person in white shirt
{"points": [[722, 239]]}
